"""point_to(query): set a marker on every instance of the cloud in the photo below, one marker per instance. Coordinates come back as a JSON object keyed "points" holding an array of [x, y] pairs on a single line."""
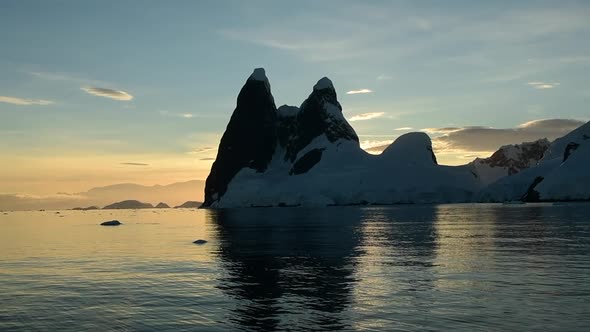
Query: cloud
{"points": [[108, 93], [135, 164], [366, 116], [361, 91], [473, 139], [202, 150], [384, 77], [178, 115], [445, 130], [543, 85], [403, 128], [207, 158], [22, 101]]}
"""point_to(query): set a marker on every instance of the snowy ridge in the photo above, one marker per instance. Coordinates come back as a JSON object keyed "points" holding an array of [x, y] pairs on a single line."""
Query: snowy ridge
{"points": [[509, 160]]}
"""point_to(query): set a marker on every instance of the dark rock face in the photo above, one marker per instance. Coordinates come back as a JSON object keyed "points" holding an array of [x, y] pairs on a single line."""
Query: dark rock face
{"points": [[249, 139], [129, 204], [433, 156], [531, 194], [571, 147], [306, 162], [319, 114], [111, 223]]}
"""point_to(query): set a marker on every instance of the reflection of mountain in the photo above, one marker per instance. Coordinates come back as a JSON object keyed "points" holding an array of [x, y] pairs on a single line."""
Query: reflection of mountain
{"points": [[279, 262]]}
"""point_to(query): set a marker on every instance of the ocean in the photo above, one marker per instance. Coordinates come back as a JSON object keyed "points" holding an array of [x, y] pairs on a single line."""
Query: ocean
{"points": [[467, 267]]}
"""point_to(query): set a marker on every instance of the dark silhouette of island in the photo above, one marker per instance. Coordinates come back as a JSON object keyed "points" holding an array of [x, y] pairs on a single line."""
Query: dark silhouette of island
{"points": [[189, 204], [162, 205], [128, 204], [86, 208]]}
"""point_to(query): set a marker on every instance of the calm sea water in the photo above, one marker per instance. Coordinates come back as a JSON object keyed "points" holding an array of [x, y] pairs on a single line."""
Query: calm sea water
{"points": [[444, 267]]}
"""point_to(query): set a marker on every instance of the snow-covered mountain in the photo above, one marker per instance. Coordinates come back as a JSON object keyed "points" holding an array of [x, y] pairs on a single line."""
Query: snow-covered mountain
{"points": [[509, 160], [562, 174], [311, 156]]}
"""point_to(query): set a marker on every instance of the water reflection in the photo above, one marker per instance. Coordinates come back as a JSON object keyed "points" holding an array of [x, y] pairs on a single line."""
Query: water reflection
{"points": [[288, 268]]}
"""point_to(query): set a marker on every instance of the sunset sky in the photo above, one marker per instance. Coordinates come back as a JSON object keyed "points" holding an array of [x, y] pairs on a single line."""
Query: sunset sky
{"points": [[102, 92]]}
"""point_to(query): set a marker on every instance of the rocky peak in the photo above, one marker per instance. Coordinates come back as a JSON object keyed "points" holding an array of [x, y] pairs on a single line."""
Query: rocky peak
{"points": [[319, 114], [249, 139]]}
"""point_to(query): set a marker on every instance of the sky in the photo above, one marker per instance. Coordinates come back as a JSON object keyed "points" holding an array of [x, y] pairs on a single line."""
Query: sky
{"points": [[104, 92]]}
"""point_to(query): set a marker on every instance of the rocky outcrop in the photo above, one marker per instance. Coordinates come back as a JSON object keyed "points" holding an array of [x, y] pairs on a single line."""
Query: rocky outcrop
{"points": [[111, 223], [249, 139], [509, 160], [162, 205], [320, 114]]}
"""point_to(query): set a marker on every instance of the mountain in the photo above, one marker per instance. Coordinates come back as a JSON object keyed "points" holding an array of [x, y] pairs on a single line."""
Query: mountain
{"points": [[509, 160], [311, 156], [188, 204], [128, 204], [162, 205], [562, 174], [174, 193]]}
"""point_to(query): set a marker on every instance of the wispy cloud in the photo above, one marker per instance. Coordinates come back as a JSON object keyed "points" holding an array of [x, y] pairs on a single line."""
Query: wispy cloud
{"points": [[178, 115], [210, 158], [384, 77], [403, 128], [443, 131], [108, 93], [202, 150], [543, 85], [366, 116], [23, 101], [361, 91], [134, 164]]}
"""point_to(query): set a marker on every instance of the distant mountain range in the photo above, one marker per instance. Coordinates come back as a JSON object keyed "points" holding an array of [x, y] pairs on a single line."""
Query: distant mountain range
{"points": [[174, 194], [311, 156]]}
